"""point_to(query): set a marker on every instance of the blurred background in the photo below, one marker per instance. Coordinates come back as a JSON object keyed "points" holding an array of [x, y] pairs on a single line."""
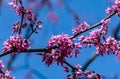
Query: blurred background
{"points": [[58, 16]]}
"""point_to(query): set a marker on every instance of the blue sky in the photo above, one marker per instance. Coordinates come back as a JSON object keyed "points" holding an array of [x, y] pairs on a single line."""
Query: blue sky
{"points": [[91, 11]]}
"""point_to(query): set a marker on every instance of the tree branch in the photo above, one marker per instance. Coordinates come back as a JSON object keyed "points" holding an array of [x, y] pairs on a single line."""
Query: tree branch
{"points": [[93, 26], [90, 60]]}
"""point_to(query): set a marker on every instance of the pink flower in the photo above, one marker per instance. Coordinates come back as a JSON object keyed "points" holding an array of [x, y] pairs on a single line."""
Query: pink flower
{"points": [[105, 22], [65, 68], [104, 30], [109, 10], [64, 46], [109, 45], [15, 27], [112, 45], [81, 28], [38, 25], [95, 36], [13, 4], [79, 74], [24, 25], [115, 8], [18, 8], [4, 74], [16, 44], [1, 64], [103, 45], [117, 2]]}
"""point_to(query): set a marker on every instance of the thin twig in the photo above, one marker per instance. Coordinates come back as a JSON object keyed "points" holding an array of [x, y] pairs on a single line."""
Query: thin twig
{"points": [[90, 60], [20, 27], [68, 64]]}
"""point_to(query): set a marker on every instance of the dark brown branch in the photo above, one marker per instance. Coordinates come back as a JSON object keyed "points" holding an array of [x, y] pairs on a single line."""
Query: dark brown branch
{"points": [[72, 67], [20, 27], [25, 51], [93, 26]]}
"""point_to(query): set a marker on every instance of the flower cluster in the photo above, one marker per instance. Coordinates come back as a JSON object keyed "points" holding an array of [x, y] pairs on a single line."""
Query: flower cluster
{"points": [[115, 8], [105, 22], [26, 15], [103, 45], [62, 47], [4, 74], [19, 9], [94, 37], [109, 45], [79, 74], [81, 28], [15, 44]]}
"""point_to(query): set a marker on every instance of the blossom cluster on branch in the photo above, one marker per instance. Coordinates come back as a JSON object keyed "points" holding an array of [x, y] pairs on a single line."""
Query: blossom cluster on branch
{"points": [[65, 47], [61, 47], [79, 74], [4, 74], [27, 17], [97, 38], [16, 43], [115, 8]]}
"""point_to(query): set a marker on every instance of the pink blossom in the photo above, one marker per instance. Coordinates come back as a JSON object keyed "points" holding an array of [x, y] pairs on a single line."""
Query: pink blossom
{"points": [[81, 28], [4, 74], [115, 8], [112, 45], [95, 37], [65, 68], [108, 46], [64, 46], [109, 10], [15, 43], [24, 25], [105, 22], [15, 27], [31, 17], [13, 4], [104, 30], [79, 74], [1, 64], [103, 45], [18, 8], [38, 25]]}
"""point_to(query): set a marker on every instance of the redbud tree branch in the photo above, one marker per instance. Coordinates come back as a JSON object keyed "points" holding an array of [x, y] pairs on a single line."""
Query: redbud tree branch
{"points": [[22, 17], [45, 49], [90, 60], [20, 27], [93, 26], [27, 36]]}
